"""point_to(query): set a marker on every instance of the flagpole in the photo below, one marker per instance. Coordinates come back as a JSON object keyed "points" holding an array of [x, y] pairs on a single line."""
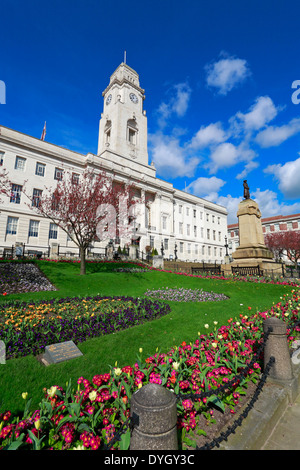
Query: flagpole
{"points": [[44, 132]]}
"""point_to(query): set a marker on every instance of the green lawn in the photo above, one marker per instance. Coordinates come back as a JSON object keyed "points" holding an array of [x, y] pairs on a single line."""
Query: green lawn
{"points": [[182, 324]]}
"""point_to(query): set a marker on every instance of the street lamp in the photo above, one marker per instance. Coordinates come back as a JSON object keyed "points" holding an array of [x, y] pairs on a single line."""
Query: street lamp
{"points": [[226, 245]]}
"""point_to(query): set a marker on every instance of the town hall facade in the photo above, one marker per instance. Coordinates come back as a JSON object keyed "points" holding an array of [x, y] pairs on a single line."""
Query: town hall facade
{"points": [[175, 223]]}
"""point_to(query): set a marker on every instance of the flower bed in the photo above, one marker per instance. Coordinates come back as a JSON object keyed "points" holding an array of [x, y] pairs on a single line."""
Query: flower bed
{"points": [[238, 278], [145, 267], [132, 270], [185, 295], [26, 328], [89, 417], [18, 277]]}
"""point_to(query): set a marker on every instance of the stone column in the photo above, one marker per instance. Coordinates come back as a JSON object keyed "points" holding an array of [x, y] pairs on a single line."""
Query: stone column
{"points": [[156, 411], [277, 346]]}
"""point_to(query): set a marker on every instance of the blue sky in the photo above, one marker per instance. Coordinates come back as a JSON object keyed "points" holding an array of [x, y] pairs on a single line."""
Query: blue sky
{"points": [[217, 75]]}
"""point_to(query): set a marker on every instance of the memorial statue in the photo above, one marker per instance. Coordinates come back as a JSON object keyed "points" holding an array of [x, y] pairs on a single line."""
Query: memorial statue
{"points": [[246, 190]]}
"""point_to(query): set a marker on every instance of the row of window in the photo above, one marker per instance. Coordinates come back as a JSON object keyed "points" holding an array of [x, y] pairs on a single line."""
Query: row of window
{"points": [[276, 227], [210, 234], [210, 250], [131, 132], [191, 248], [16, 191], [40, 168], [213, 217], [33, 231], [58, 174]]}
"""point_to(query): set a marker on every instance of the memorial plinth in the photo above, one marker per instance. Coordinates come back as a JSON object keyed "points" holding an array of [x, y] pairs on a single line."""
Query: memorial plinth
{"points": [[252, 249]]}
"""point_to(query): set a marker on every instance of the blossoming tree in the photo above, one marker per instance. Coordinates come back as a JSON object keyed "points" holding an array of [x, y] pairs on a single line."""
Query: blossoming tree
{"points": [[5, 184], [88, 207], [287, 242]]}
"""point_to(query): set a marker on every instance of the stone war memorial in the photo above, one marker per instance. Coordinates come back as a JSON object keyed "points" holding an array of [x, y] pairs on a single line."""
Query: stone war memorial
{"points": [[252, 251]]}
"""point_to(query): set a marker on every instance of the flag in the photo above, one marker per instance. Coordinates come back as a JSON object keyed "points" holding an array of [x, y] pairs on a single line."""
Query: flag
{"points": [[44, 132]]}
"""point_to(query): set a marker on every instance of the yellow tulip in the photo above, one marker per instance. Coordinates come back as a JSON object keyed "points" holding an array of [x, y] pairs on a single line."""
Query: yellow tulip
{"points": [[37, 424]]}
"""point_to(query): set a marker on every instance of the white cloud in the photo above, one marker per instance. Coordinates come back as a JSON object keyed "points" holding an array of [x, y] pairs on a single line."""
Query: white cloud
{"points": [[206, 188], [260, 113], [224, 155], [226, 73], [231, 204], [269, 205], [267, 201], [170, 158], [274, 135], [208, 135], [288, 177], [181, 100], [248, 168], [227, 155], [177, 104]]}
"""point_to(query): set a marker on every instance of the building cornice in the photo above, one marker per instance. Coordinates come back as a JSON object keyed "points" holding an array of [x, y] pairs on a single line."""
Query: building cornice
{"points": [[34, 144]]}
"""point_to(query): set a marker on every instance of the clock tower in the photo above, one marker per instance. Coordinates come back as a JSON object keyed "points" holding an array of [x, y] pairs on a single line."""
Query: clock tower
{"points": [[123, 123]]}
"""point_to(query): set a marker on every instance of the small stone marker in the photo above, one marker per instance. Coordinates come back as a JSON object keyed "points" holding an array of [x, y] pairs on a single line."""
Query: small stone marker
{"points": [[59, 352], [2, 353]]}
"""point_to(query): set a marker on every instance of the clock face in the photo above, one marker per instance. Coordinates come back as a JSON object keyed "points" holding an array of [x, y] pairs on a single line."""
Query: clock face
{"points": [[133, 98], [108, 100]]}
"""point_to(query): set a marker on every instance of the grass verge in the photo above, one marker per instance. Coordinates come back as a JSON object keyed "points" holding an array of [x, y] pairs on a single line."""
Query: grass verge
{"points": [[182, 324]]}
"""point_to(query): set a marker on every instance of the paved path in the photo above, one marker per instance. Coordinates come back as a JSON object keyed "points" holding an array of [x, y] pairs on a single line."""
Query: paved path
{"points": [[286, 434], [274, 421]]}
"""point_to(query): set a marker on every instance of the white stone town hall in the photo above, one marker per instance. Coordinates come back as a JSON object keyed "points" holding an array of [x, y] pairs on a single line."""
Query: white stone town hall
{"points": [[185, 225]]}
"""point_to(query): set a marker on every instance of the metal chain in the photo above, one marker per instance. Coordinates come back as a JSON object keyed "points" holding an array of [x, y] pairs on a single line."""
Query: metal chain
{"points": [[131, 421], [195, 396], [231, 429]]}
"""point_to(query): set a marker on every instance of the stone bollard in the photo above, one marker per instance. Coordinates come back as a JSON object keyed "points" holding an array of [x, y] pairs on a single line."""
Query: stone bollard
{"points": [[156, 413], [277, 346]]}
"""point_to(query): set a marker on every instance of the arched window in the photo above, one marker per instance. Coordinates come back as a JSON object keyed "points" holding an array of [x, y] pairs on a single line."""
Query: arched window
{"points": [[132, 132], [107, 131]]}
